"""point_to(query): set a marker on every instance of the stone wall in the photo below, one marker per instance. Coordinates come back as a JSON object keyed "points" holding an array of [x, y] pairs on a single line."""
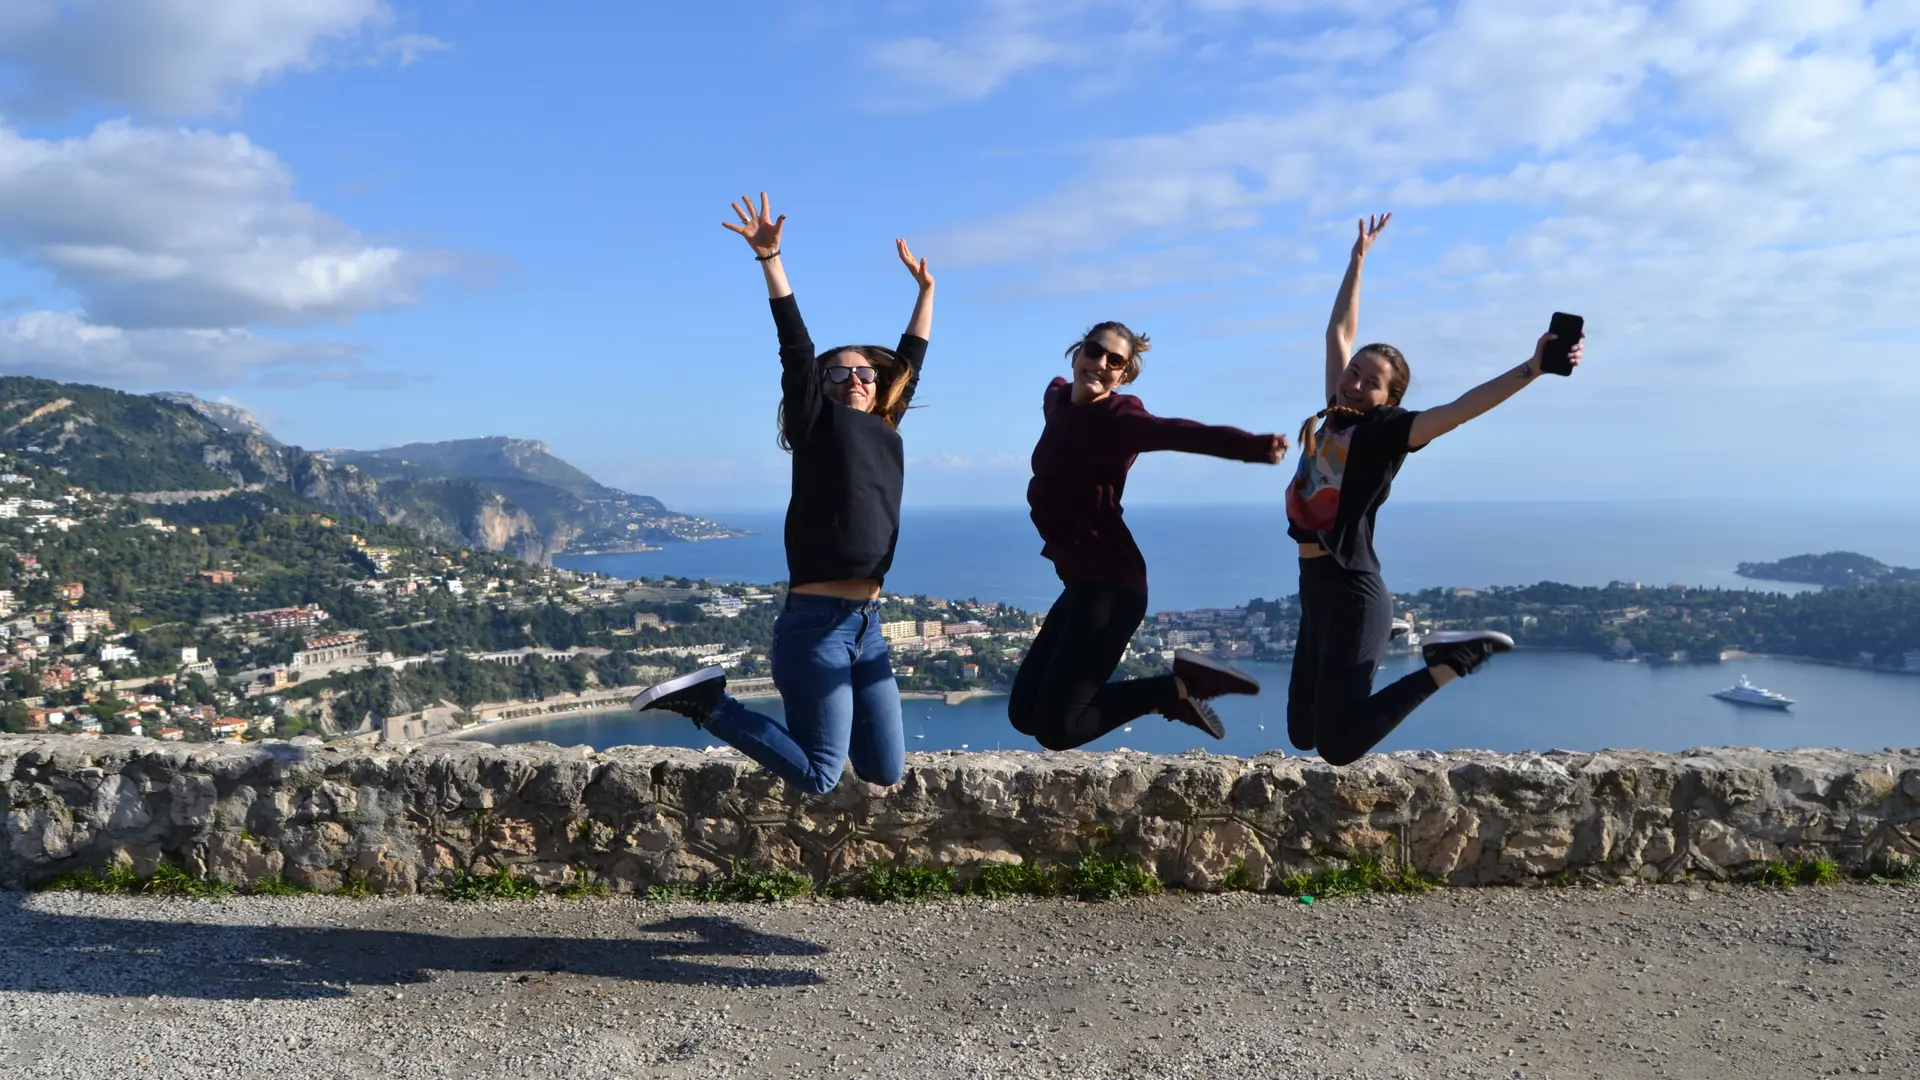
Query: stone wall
{"points": [[641, 816]]}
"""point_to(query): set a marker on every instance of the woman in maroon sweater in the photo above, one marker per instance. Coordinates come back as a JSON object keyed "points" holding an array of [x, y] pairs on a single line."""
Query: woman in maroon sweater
{"points": [[1061, 696]]}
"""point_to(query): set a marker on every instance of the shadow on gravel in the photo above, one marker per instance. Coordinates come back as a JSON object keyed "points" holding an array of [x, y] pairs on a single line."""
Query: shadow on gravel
{"points": [[76, 954]]}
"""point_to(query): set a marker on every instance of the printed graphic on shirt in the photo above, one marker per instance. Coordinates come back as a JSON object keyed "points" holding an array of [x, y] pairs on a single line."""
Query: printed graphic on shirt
{"points": [[1313, 499]]}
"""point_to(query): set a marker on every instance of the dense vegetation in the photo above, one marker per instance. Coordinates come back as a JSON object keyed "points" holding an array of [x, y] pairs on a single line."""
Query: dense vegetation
{"points": [[1880, 621], [1833, 568]]}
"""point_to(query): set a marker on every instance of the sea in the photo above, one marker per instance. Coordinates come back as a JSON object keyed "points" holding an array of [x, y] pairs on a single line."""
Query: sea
{"points": [[1223, 556]]}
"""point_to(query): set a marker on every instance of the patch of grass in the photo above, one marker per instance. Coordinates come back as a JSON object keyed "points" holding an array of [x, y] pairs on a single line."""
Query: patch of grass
{"points": [[168, 879], [1819, 872], [117, 878], [357, 886], [171, 879], [1787, 873], [1361, 874], [739, 888], [1105, 877], [1239, 879], [502, 884], [1890, 869], [882, 883], [996, 881], [277, 887]]}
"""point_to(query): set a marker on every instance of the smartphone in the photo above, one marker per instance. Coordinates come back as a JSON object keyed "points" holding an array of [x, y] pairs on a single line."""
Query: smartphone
{"points": [[1556, 359]]}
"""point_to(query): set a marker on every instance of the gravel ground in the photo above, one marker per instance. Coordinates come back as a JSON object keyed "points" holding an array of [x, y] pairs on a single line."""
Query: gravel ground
{"points": [[1621, 982]]}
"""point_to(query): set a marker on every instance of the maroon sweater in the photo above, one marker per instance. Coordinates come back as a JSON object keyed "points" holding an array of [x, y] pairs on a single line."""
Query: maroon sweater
{"points": [[1080, 472]]}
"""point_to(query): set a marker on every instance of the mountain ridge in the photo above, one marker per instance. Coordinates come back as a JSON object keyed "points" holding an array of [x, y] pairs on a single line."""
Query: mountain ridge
{"points": [[497, 493]]}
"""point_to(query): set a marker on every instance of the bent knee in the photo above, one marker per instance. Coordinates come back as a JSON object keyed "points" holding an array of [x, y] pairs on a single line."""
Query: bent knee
{"points": [[885, 777], [818, 783], [1341, 755]]}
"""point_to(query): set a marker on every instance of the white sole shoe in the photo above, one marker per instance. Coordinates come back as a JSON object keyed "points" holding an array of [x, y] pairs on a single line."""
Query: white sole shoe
{"points": [[674, 685]]}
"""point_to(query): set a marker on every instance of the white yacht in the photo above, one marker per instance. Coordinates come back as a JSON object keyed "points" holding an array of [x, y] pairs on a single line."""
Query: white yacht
{"points": [[1745, 693]]}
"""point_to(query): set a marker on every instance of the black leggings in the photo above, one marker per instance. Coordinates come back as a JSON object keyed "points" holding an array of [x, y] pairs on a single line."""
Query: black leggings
{"points": [[1346, 620], [1061, 695]]}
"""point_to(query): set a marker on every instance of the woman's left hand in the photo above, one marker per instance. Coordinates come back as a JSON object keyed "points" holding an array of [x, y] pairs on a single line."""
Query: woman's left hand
{"points": [[1276, 448], [1539, 347], [916, 267]]}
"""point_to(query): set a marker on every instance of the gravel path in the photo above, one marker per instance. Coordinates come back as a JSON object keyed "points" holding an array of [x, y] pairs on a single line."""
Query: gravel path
{"points": [[1621, 982]]}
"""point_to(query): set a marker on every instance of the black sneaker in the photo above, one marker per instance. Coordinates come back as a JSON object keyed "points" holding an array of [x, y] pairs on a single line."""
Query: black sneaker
{"points": [[1210, 678], [1193, 712], [1463, 650], [693, 696]]}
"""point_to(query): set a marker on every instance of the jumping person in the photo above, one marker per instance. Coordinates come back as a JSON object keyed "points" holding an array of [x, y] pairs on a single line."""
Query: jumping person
{"points": [[839, 416], [1346, 469], [1061, 695]]}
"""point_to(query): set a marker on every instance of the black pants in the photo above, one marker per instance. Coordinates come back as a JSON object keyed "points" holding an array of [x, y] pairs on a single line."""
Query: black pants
{"points": [[1346, 620], [1061, 695]]}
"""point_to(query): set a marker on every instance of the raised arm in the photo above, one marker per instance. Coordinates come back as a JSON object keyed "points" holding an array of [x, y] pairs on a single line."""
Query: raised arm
{"points": [[762, 232], [1344, 323], [920, 325], [800, 398], [913, 343], [1430, 424]]}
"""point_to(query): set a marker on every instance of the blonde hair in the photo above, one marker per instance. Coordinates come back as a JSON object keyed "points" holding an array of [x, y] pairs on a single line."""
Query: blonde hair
{"points": [[890, 378], [1137, 346], [1400, 375]]}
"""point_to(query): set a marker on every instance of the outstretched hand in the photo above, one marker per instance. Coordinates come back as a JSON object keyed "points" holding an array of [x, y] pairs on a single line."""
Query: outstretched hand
{"points": [[1540, 347], [1276, 448], [1370, 230], [760, 227], [916, 267]]}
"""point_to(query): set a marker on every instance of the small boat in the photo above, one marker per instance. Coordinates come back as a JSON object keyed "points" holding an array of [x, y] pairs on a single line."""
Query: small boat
{"points": [[1743, 692]]}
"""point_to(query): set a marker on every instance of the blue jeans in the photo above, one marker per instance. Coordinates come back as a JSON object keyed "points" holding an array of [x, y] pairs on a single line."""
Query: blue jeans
{"points": [[830, 666]]}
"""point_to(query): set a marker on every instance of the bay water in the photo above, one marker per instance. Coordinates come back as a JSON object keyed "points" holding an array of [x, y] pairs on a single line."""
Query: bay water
{"points": [[1531, 700]]}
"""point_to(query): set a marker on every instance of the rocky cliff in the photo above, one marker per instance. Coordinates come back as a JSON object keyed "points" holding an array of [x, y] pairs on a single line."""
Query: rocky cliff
{"points": [[642, 816], [497, 494]]}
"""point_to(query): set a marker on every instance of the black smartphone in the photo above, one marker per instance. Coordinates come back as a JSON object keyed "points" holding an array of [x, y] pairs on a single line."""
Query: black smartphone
{"points": [[1556, 358]]}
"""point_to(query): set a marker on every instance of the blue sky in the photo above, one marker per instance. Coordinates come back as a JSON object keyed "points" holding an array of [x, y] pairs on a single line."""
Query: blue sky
{"points": [[376, 223]]}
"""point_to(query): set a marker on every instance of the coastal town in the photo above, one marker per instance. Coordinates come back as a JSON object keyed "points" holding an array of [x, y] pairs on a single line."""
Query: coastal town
{"points": [[251, 615]]}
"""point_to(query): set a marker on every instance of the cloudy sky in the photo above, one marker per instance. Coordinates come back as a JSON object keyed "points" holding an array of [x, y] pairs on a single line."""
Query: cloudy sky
{"points": [[377, 222]]}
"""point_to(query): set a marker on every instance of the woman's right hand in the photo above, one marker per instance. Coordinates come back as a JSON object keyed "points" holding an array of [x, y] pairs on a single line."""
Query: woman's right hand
{"points": [[760, 227], [1370, 230]]}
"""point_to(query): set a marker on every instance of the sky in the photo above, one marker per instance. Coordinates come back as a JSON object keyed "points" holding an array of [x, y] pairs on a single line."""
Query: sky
{"points": [[378, 222]]}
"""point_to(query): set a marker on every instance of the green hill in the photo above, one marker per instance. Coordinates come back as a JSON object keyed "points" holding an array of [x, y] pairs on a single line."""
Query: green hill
{"points": [[495, 494]]}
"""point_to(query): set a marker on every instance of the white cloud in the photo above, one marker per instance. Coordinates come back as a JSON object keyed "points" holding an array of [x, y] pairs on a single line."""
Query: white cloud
{"points": [[66, 346], [172, 228], [183, 57], [1721, 187], [1097, 40]]}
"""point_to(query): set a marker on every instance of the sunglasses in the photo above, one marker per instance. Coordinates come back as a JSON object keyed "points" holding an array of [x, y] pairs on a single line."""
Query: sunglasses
{"points": [[1100, 354], [840, 374]]}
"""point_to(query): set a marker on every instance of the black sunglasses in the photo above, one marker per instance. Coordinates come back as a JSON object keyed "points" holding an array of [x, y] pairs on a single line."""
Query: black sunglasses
{"points": [[1100, 354], [840, 374]]}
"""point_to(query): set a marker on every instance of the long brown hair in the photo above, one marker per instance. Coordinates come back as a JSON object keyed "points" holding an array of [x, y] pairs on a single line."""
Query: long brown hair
{"points": [[889, 386], [1398, 378], [1137, 346]]}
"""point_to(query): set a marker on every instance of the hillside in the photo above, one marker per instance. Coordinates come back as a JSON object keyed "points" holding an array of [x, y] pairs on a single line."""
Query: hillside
{"points": [[503, 495], [1835, 568], [575, 511]]}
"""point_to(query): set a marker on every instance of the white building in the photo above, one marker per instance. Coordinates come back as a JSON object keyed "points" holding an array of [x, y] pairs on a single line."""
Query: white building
{"points": [[111, 653]]}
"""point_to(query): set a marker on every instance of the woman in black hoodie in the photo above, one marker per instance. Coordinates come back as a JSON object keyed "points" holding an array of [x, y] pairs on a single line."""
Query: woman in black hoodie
{"points": [[840, 412]]}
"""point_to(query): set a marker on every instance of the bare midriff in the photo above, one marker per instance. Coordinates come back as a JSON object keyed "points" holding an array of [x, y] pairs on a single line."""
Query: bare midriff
{"points": [[856, 589], [1311, 551]]}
